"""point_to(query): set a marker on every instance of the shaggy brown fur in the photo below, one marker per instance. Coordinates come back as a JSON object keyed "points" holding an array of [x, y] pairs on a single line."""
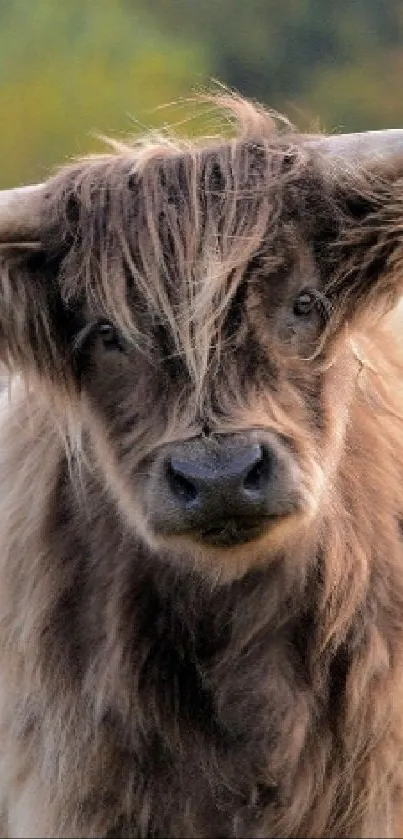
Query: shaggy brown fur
{"points": [[155, 687]]}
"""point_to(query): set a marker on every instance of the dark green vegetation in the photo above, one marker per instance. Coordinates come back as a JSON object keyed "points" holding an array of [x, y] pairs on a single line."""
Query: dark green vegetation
{"points": [[70, 69]]}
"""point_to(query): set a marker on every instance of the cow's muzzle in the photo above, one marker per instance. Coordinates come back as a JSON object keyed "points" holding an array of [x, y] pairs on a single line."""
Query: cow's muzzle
{"points": [[225, 490]]}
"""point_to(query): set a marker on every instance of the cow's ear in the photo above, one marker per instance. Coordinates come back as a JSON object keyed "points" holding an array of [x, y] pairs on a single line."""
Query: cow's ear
{"points": [[33, 320], [365, 268]]}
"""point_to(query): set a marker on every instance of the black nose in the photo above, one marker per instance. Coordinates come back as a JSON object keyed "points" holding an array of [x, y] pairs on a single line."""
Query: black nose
{"points": [[234, 481], [224, 489]]}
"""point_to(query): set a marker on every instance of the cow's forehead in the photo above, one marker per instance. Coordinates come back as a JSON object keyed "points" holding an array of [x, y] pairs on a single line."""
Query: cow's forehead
{"points": [[166, 237], [232, 168]]}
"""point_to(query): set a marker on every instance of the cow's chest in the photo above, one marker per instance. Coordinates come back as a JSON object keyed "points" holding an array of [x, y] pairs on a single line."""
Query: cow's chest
{"points": [[213, 753]]}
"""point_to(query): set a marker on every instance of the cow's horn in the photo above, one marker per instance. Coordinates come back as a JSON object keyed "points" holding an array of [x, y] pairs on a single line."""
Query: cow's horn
{"points": [[19, 207], [362, 146], [19, 210]]}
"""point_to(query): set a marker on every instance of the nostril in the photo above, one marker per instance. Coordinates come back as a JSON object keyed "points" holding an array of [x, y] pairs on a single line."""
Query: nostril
{"points": [[181, 486], [258, 475]]}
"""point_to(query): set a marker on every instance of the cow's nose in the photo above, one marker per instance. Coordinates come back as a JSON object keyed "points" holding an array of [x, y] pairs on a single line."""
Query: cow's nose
{"points": [[225, 489], [235, 481]]}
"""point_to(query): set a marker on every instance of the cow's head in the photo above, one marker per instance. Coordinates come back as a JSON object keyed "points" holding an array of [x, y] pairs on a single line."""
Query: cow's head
{"points": [[198, 306]]}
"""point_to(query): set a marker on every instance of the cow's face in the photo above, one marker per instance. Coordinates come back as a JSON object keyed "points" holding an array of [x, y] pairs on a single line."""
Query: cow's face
{"points": [[217, 421], [239, 463], [199, 301]]}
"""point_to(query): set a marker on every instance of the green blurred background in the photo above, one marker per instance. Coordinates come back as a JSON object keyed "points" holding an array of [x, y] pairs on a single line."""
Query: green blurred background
{"points": [[71, 68]]}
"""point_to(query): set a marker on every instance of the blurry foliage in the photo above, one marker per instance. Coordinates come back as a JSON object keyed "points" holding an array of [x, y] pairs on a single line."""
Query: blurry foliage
{"points": [[70, 68], [333, 59]]}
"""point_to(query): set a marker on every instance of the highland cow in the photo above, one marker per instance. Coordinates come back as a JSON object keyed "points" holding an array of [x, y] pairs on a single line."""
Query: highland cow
{"points": [[201, 489]]}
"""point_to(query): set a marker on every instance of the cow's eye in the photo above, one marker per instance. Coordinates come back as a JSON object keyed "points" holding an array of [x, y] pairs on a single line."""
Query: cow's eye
{"points": [[109, 335], [104, 331], [304, 303]]}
